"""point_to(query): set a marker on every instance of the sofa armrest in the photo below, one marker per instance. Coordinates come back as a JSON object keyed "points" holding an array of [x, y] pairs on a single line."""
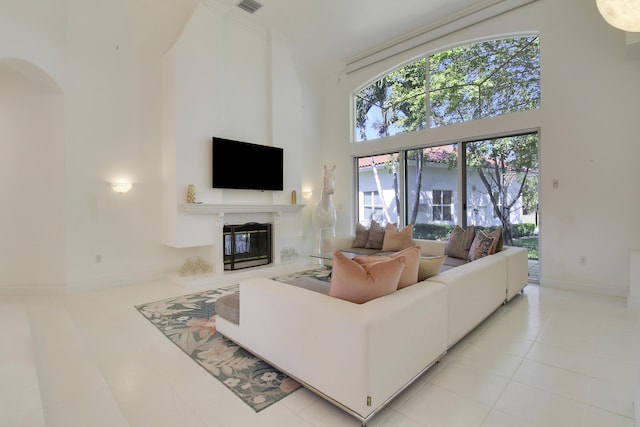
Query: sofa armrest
{"points": [[475, 290], [346, 351], [340, 243], [517, 269], [431, 247]]}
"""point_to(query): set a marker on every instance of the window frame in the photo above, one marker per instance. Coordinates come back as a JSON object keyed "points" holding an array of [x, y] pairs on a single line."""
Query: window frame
{"points": [[427, 107]]}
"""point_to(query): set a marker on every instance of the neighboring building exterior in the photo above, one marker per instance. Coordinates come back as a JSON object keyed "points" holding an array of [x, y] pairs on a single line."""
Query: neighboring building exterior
{"points": [[439, 198]]}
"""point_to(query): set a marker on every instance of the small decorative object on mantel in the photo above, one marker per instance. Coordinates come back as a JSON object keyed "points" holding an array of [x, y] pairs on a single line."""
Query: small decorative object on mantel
{"points": [[293, 197], [195, 266], [191, 194]]}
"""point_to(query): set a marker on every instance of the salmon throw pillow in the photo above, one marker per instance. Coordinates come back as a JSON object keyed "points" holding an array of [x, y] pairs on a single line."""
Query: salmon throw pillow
{"points": [[409, 274], [397, 240], [357, 283]]}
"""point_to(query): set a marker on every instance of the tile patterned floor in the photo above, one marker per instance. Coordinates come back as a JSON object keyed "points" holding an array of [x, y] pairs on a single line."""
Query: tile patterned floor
{"points": [[548, 358]]}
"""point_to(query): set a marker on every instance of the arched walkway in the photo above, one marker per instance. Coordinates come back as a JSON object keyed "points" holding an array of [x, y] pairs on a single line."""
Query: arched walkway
{"points": [[32, 179]]}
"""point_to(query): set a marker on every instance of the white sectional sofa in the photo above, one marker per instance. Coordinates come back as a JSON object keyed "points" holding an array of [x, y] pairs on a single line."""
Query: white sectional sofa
{"points": [[360, 356]]}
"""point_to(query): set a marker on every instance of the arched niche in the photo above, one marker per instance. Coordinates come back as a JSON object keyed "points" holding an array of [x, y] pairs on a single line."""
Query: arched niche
{"points": [[32, 179]]}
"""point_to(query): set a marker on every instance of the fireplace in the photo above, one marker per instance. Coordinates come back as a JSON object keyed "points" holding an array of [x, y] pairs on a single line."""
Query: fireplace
{"points": [[246, 245]]}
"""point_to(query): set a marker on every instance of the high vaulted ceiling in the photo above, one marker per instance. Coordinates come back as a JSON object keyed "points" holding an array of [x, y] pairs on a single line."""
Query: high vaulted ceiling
{"points": [[326, 33]]}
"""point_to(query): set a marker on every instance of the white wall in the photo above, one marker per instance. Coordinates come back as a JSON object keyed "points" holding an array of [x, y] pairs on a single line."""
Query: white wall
{"points": [[589, 139], [228, 78], [104, 121]]}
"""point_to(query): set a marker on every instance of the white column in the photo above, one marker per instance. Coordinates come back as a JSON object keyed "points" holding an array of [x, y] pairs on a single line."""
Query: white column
{"points": [[218, 246], [275, 237]]}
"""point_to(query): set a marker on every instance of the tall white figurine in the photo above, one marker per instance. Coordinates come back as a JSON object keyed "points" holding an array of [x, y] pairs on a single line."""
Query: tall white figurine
{"points": [[324, 213]]}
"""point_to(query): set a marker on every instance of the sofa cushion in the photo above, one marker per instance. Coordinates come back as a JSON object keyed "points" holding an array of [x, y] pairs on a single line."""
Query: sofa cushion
{"points": [[357, 283], [376, 236], [481, 246], [430, 266], [310, 284], [352, 252], [498, 243], [397, 240], [460, 242], [409, 274], [362, 236], [451, 262], [228, 307]]}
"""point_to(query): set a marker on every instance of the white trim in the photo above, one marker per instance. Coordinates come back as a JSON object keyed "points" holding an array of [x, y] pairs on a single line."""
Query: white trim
{"points": [[205, 208], [448, 25]]}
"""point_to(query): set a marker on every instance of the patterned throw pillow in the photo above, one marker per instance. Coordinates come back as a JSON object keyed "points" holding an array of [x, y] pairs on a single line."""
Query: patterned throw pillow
{"points": [[362, 236], [460, 242], [409, 274], [498, 241], [376, 236], [357, 283], [397, 240], [481, 246]]}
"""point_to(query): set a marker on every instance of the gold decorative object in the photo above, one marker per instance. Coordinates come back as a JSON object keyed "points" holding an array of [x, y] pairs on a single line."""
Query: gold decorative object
{"points": [[191, 194], [195, 266], [293, 197]]}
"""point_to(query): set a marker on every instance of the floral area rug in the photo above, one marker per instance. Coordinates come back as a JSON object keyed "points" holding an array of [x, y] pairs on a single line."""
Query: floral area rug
{"points": [[189, 322]]}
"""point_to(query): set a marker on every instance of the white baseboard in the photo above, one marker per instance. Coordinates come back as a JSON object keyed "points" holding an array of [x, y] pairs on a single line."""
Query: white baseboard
{"points": [[33, 290], [80, 286], [617, 291]]}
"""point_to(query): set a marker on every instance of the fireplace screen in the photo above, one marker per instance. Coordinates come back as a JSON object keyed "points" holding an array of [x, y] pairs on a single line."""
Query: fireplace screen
{"points": [[246, 245]]}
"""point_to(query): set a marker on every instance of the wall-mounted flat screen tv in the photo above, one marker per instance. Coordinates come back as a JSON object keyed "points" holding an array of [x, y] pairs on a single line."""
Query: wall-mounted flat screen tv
{"points": [[247, 166]]}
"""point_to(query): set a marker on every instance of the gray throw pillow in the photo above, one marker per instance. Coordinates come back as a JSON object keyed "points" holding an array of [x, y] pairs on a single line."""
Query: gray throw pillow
{"points": [[362, 236], [460, 242], [376, 236]]}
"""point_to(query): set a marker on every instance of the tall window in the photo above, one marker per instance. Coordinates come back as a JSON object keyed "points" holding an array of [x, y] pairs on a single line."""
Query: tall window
{"points": [[378, 189], [465, 83], [501, 177], [431, 183]]}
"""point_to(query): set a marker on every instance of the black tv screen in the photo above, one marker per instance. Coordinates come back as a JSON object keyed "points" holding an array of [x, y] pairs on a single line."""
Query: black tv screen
{"points": [[246, 166]]}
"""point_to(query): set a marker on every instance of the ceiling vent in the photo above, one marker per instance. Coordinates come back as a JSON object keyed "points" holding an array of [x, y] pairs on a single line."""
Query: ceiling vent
{"points": [[249, 5]]}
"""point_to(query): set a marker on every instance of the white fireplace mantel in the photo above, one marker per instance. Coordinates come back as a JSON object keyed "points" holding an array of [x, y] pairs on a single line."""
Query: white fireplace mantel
{"points": [[207, 208], [219, 212]]}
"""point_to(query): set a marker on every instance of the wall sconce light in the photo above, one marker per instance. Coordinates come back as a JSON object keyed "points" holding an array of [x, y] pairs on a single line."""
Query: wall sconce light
{"points": [[121, 186], [622, 14], [306, 194]]}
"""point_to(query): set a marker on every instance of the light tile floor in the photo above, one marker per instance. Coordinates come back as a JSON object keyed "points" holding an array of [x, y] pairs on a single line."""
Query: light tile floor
{"points": [[547, 358]]}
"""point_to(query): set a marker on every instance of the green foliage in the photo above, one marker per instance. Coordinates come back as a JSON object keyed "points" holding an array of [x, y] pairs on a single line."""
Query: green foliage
{"points": [[484, 79], [442, 231], [431, 231], [531, 243], [469, 82], [523, 230]]}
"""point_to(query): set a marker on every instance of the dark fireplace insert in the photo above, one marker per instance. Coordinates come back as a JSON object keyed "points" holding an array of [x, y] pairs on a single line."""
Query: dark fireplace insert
{"points": [[246, 245]]}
